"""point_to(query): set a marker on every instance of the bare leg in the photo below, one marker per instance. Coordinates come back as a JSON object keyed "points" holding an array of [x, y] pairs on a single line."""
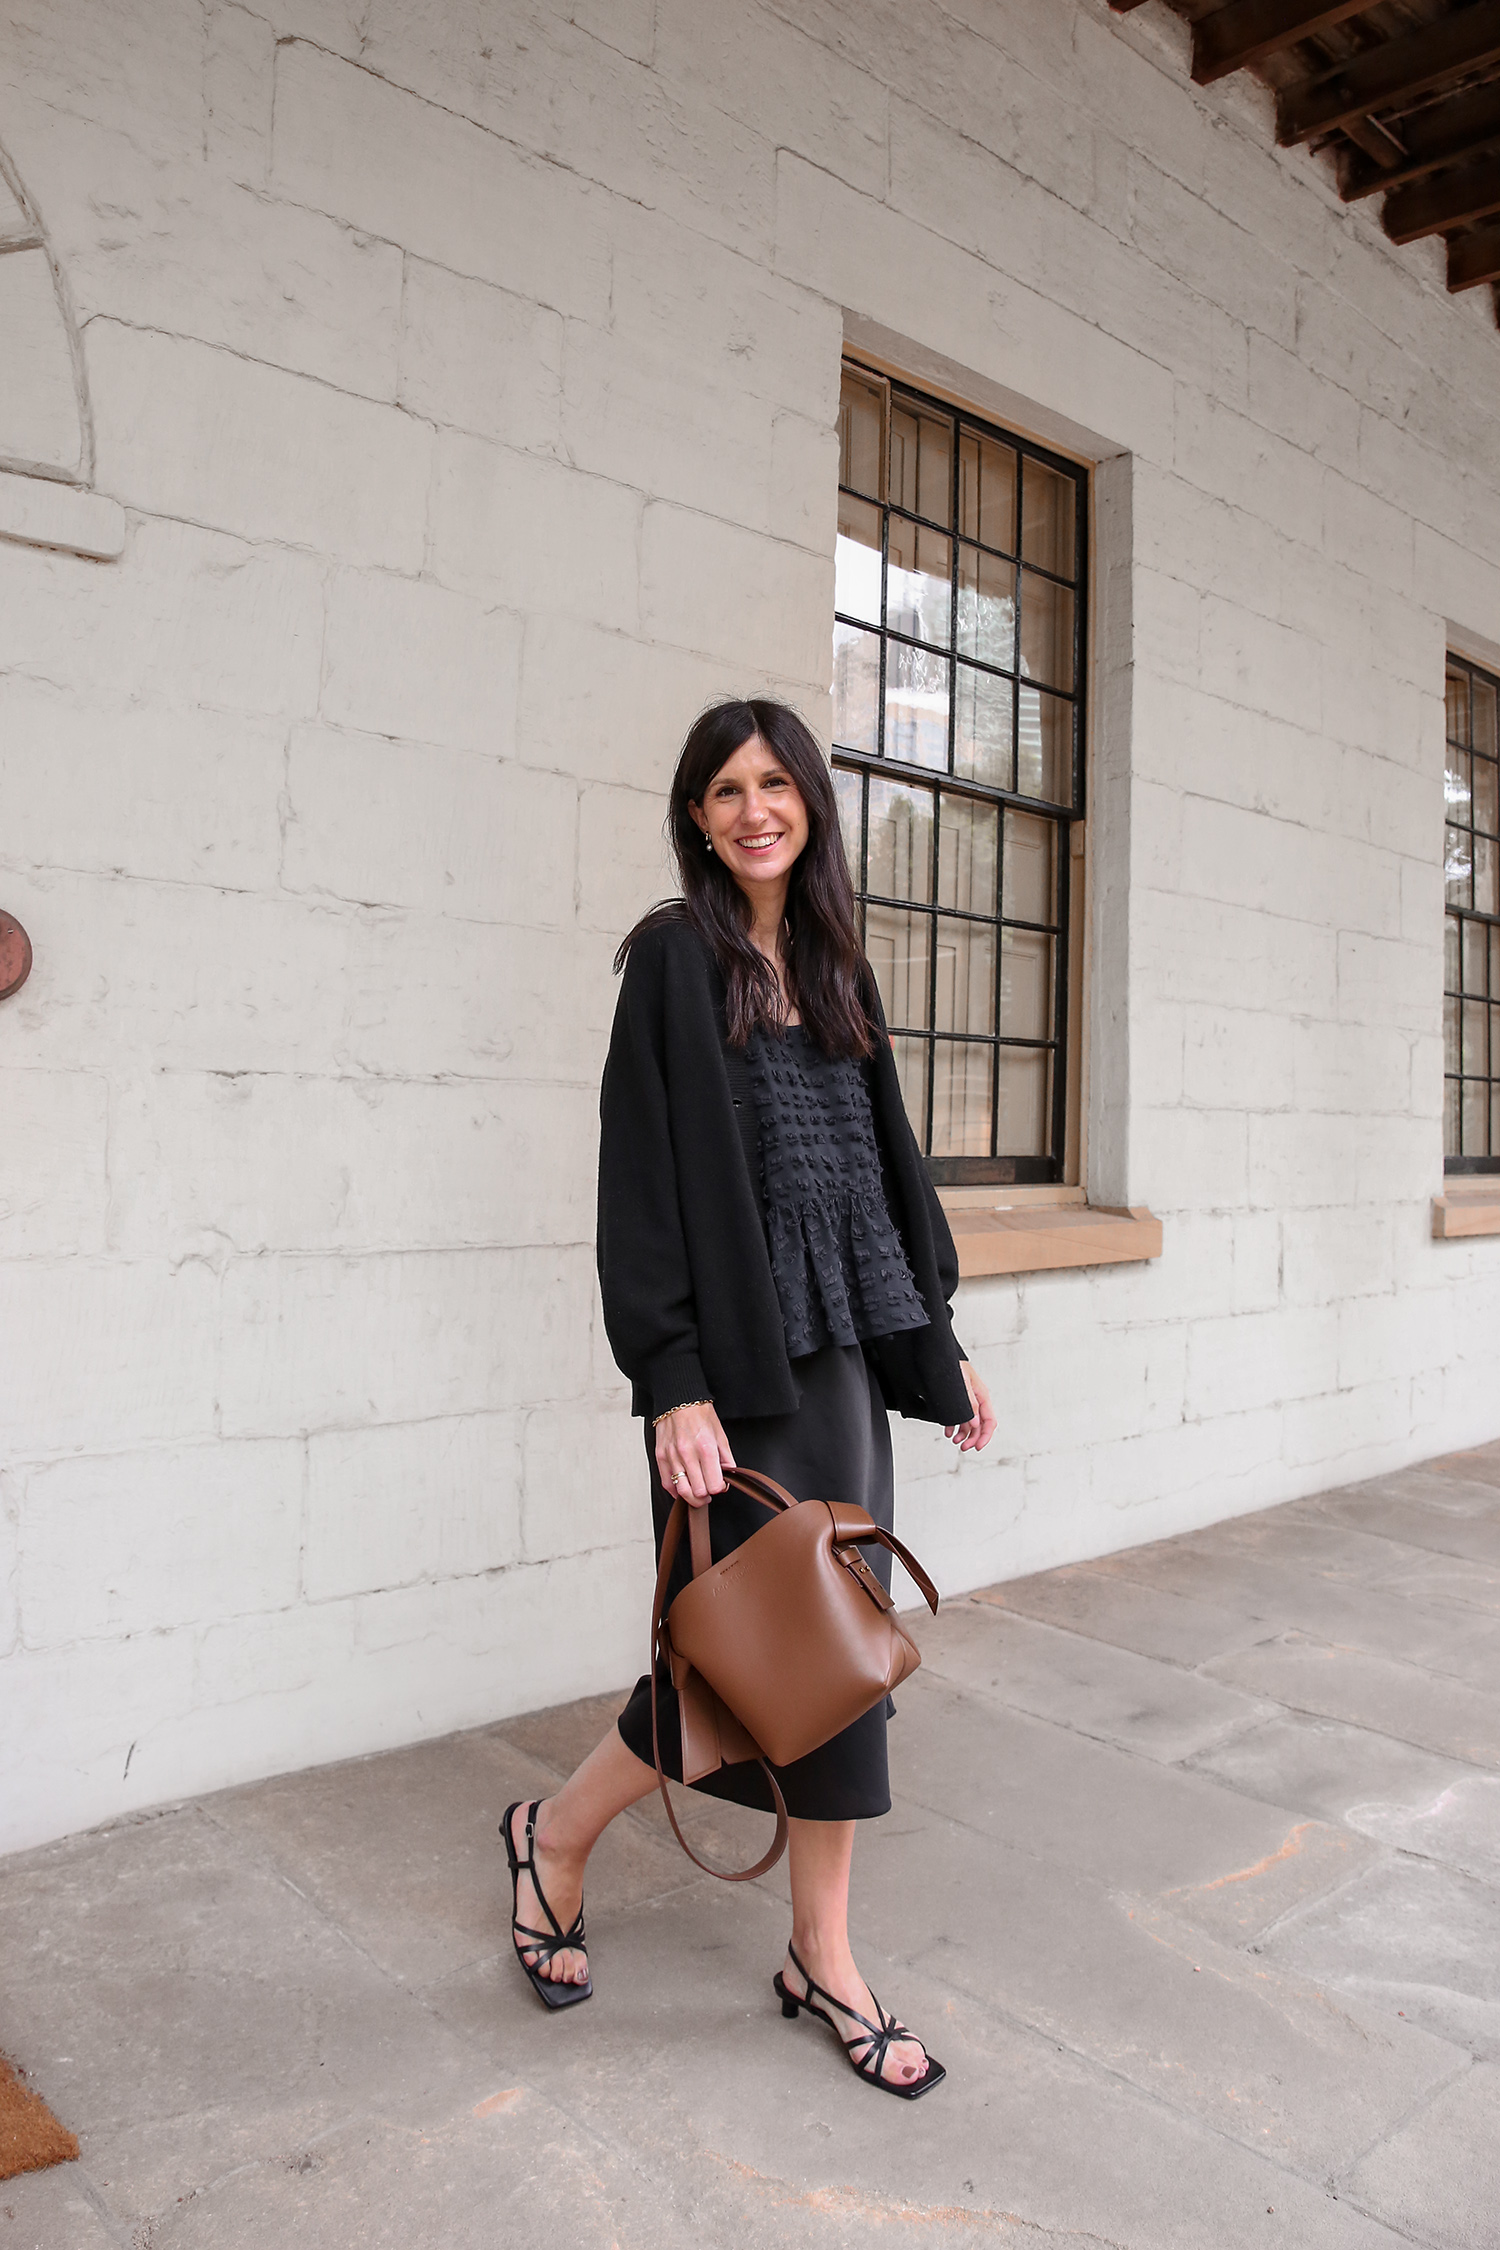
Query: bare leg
{"points": [[821, 1852], [567, 1828]]}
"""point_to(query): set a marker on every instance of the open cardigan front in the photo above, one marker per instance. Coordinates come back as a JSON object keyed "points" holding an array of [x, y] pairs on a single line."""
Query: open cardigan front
{"points": [[690, 1305]]}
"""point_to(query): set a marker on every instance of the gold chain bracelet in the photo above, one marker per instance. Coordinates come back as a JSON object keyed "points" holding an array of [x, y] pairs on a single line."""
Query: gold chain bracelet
{"points": [[658, 1419]]}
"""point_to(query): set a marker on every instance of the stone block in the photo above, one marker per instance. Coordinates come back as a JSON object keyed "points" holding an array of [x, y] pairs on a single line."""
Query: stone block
{"points": [[54, 1181], [185, 429], [38, 511], [1185, 949], [533, 534], [328, 1342], [183, 796], [397, 1505], [84, 1728], [39, 418], [1108, 1693], [1459, 1825], [1174, 1628], [797, 94], [106, 1355], [1324, 1768], [612, 707], [201, 1164], [239, 93], [624, 860], [1260, 1359], [725, 592], [586, 1483], [411, 659], [1444, 1716], [207, 253], [1411, 1937], [1191, 1157], [390, 823], [474, 357], [188, 619], [428, 996], [1389, 980], [1236, 1058], [1334, 1254], [144, 975], [1439, 2174], [403, 169], [139, 1542]]}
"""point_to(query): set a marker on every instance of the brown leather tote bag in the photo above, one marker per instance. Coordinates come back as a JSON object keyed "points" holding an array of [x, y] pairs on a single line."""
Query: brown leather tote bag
{"points": [[780, 1646]]}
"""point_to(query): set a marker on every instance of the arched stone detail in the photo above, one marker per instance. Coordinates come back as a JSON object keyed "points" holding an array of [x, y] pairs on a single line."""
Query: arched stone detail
{"points": [[44, 422]]}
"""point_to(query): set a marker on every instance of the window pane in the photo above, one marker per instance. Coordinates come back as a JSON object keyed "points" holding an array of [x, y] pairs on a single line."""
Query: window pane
{"points": [[919, 583], [1486, 875], [900, 841], [861, 422], [1457, 866], [1047, 507], [1025, 1086], [1476, 1104], [965, 975], [1044, 748], [856, 688], [1495, 961], [921, 463], [969, 855], [1494, 1147], [1484, 717], [1046, 631], [1475, 1062], [1026, 878], [1025, 985], [1450, 1034], [847, 788], [1450, 1118], [961, 1098], [1486, 795], [897, 944], [1455, 950], [1475, 947], [1458, 708], [986, 608], [982, 729], [856, 560], [1457, 790], [987, 491], [911, 1068], [916, 706]]}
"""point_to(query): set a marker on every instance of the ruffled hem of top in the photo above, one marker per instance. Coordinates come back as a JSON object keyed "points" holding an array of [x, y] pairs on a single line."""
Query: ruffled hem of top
{"points": [[841, 1273]]}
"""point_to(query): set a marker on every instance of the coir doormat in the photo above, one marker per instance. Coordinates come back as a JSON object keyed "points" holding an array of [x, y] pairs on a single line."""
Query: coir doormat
{"points": [[30, 2136]]}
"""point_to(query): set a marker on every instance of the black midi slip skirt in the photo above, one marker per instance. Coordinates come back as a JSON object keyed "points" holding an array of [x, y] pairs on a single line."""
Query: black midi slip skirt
{"points": [[837, 1446]]}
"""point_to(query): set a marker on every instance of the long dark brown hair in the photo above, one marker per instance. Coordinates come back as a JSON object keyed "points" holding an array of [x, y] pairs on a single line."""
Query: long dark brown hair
{"points": [[825, 969]]}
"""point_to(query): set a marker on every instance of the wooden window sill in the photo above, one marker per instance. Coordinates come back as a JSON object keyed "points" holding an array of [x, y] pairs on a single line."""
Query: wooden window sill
{"points": [[1465, 1209], [994, 1231]]}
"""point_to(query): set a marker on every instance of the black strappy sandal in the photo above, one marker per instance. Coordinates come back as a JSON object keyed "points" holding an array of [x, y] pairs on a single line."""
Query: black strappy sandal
{"points": [[876, 2039], [543, 1943]]}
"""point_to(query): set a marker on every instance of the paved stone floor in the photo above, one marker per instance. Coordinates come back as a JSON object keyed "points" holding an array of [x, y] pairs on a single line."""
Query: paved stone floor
{"points": [[1193, 1881]]}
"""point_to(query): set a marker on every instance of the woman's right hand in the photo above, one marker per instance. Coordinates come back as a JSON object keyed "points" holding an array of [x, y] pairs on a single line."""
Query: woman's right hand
{"points": [[692, 1454]]}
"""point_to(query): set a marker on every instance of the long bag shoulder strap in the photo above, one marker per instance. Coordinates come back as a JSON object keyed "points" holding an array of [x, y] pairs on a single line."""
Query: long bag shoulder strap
{"points": [[660, 1648]]}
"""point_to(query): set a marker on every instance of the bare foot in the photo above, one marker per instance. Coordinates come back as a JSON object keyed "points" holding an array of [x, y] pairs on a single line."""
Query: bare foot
{"points": [[562, 1880], [905, 2059]]}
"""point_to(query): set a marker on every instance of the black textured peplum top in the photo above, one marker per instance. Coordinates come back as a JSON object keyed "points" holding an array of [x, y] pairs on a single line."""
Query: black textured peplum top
{"points": [[841, 1274]]}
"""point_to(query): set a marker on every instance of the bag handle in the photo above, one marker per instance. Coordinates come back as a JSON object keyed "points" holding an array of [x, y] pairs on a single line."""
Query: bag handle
{"points": [[671, 1539], [853, 1528]]}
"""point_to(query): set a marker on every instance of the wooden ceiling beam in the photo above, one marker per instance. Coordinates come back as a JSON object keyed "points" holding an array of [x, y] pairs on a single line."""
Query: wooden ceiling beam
{"points": [[1464, 125], [1473, 258], [1450, 199], [1245, 31], [1419, 62]]}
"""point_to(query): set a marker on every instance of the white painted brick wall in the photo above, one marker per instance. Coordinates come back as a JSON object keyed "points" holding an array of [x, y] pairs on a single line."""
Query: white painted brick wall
{"points": [[471, 401]]}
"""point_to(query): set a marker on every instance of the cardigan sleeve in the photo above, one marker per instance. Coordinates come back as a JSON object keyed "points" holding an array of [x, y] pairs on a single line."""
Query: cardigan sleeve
{"points": [[645, 1280]]}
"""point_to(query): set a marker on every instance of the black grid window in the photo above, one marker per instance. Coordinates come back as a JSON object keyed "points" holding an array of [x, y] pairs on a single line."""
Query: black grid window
{"points": [[958, 687], [1471, 974]]}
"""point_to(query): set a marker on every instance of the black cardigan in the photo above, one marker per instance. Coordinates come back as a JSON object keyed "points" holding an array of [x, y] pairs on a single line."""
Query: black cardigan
{"points": [[690, 1307]]}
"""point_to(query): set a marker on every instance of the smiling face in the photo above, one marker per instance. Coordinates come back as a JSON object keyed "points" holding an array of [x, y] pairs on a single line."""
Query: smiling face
{"points": [[754, 817]]}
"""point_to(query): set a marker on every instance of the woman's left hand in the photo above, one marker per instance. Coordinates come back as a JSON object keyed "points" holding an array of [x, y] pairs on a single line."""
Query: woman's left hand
{"points": [[975, 1434]]}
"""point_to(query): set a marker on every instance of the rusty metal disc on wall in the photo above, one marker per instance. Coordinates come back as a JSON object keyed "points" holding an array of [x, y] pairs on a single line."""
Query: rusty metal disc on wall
{"points": [[15, 955]]}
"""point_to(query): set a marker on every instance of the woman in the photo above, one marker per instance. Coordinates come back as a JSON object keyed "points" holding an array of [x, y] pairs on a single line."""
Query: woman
{"points": [[776, 1271]]}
